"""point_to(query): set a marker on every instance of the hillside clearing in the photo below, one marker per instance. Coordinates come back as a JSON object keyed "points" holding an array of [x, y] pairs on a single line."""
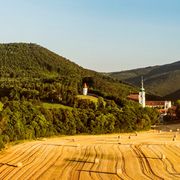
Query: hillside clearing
{"points": [[91, 98], [55, 106], [149, 155]]}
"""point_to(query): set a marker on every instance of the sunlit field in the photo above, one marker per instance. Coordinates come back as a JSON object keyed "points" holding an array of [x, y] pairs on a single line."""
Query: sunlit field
{"points": [[143, 155], [55, 105], [91, 98]]}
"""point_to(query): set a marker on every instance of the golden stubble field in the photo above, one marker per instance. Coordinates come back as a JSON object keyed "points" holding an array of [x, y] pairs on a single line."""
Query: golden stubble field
{"points": [[145, 155]]}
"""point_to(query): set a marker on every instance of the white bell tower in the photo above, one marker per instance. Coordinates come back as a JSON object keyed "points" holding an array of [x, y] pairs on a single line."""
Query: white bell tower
{"points": [[142, 98]]}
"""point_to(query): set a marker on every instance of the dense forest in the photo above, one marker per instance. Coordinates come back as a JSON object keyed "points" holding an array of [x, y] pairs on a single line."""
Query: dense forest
{"points": [[31, 75], [29, 120]]}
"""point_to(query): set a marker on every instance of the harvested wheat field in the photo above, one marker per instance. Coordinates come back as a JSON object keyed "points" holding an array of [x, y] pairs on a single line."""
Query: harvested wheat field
{"points": [[146, 155]]}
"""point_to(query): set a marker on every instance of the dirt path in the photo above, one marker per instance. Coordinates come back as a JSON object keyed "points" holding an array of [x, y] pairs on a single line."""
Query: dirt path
{"points": [[149, 155]]}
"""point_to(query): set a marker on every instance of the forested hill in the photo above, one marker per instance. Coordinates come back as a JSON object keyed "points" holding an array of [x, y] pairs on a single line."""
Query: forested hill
{"points": [[29, 62], [21, 59], [161, 80], [40, 97]]}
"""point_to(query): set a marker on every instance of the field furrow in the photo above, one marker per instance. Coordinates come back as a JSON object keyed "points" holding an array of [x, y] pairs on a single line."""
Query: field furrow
{"points": [[148, 155]]}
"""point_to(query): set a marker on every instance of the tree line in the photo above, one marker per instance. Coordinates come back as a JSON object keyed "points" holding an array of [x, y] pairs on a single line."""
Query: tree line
{"points": [[25, 120]]}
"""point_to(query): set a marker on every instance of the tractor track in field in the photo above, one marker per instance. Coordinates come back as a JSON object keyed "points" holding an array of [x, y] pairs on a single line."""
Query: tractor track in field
{"points": [[18, 157], [48, 163], [123, 163], [148, 163], [78, 163], [145, 165], [23, 160], [52, 164], [67, 164], [91, 168], [175, 150], [87, 154], [39, 161], [167, 163]]}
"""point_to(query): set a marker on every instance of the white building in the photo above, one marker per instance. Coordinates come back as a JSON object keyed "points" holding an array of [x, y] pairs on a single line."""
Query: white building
{"points": [[85, 89]]}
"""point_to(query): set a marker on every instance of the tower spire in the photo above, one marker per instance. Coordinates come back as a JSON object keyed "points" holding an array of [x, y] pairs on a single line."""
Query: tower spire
{"points": [[142, 83], [142, 98]]}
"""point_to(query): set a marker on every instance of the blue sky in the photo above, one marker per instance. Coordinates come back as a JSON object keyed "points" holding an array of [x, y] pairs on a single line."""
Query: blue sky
{"points": [[103, 35]]}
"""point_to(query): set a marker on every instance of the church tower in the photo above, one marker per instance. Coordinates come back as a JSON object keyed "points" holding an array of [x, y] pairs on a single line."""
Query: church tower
{"points": [[142, 99], [85, 89]]}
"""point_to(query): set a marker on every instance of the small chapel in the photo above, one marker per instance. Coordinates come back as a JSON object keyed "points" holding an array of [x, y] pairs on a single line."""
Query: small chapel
{"points": [[85, 89]]}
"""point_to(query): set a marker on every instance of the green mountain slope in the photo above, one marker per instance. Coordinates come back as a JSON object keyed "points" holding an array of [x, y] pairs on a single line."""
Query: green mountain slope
{"points": [[29, 62], [21, 59], [160, 80]]}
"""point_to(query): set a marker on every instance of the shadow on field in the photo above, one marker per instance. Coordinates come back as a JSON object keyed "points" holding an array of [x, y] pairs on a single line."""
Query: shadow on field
{"points": [[79, 161], [175, 174], [140, 157], [101, 172], [118, 143], [61, 145], [7, 164]]}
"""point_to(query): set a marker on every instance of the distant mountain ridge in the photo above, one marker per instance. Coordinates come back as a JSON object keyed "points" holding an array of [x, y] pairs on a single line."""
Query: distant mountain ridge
{"points": [[162, 80]]}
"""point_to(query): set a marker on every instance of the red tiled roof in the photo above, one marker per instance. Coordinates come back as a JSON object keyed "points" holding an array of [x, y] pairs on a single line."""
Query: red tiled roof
{"points": [[162, 110], [134, 97], [85, 85], [155, 103]]}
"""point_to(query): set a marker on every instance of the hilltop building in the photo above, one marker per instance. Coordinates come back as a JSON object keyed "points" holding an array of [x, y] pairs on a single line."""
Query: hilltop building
{"points": [[85, 89]]}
